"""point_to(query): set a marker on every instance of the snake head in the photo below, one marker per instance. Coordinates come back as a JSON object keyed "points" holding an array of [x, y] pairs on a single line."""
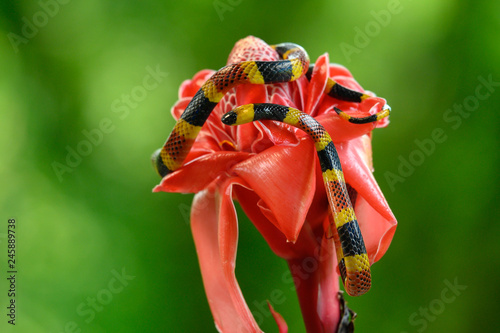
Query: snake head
{"points": [[241, 115]]}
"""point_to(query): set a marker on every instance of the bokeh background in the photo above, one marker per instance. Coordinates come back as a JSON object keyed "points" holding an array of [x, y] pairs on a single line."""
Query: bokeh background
{"points": [[65, 67]]}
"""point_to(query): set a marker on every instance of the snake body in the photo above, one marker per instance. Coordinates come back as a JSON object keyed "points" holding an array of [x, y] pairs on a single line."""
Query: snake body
{"points": [[294, 64], [354, 265], [352, 258]]}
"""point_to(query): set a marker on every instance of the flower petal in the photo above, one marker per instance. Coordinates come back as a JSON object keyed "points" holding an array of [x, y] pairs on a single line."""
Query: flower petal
{"points": [[298, 92], [341, 130], [199, 173], [317, 85], [317, 285], [251, 48], [277, 132], [251, 93], [251, 203], [284, 178], [328, 305], [282, 326], [250, 137], [377, 229], [358, 173], [214, 227], [336, 70]]}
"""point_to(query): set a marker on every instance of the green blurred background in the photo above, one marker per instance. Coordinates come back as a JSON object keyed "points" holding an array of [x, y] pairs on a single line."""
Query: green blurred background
{"points": [[64, 69]]}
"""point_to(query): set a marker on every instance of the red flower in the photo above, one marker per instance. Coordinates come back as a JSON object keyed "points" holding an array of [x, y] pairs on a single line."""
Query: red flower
{"points": [[272, 170]]}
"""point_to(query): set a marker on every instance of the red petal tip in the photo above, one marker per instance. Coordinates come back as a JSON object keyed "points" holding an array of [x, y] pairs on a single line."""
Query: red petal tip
{"points": [[282, 326]]}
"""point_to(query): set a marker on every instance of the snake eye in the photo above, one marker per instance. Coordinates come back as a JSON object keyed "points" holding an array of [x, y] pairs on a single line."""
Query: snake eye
{"points": [[158, 165]]}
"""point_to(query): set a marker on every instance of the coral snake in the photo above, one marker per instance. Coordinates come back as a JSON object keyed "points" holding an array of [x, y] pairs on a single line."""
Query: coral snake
{"points": [[353, 262]]}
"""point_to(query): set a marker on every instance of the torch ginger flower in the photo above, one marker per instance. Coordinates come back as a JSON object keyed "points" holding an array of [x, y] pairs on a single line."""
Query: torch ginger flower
{"points": [[272, 170]]}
